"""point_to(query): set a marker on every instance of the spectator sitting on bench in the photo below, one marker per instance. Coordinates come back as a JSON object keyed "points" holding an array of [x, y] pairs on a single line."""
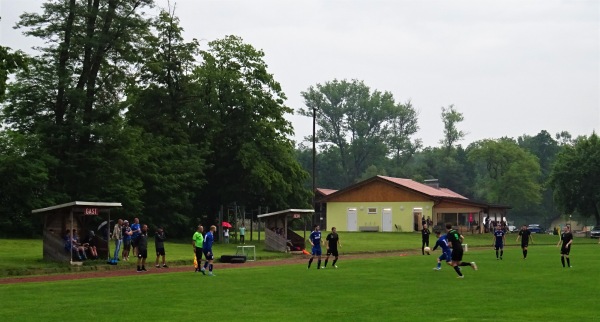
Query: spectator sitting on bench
{"points": [[71, 245], [90, 242]]}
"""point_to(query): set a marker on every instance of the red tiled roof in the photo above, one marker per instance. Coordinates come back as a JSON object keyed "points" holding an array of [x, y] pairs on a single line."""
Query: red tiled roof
{"points": [[325, 192], [423, 188]]}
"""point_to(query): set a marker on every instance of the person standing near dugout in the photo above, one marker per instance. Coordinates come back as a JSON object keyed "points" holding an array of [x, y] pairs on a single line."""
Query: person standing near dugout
{"points": [[333, 242], [142, 252], [455, 239], [566, 239]]}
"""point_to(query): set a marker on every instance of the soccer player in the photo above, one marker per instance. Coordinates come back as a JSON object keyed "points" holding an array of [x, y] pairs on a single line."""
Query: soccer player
{"points": [[315, 241], [566, 239], [499, 241], [142, 252], [197, 243], [424, 238], [209, 239], [455, 240], [442, 242], [333, 242], [525, 236]]}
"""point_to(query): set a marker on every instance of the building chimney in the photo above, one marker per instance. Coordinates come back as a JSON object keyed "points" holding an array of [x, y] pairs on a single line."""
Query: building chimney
{"points": [[434, 183]]}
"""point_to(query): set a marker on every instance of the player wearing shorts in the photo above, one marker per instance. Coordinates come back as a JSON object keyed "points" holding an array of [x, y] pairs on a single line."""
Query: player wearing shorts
{"points": [[455, 240], [159, 244], [499, 241], [142, 252], [209, 239], [442, 242], [315, 241], [566, 239], [525, 236], [333, 242]]}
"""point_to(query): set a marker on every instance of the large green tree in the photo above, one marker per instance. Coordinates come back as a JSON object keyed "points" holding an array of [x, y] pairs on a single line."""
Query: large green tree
{"points": [[506, 173], [451, 117], [161, 104], [253, 160], [574, 177], [70, 97], [364, 125]]}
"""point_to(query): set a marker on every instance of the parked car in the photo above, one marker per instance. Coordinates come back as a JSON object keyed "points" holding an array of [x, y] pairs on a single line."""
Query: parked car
{"points": [[535, 229], [595, 232]]}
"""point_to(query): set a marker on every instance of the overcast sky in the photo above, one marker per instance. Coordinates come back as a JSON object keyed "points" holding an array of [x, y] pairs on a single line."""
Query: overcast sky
{"points": [[510, 67]]}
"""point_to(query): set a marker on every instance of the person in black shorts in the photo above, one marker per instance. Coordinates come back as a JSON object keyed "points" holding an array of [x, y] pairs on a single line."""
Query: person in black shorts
{"points": [[425, 238], [333, 242], [159, 244], [566, 239], [455, 240], [142, 244], [525, 236]]}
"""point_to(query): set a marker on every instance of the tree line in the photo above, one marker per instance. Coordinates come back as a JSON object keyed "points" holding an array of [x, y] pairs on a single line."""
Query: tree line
{"points": [[117, 106]]}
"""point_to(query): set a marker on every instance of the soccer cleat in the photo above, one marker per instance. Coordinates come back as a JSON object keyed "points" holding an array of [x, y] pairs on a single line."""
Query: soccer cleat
{"points": [[203, 271], [144, 269], [437, 268], [473, 265], [157, 266], [323, 267], [165, 266], [462, 276], [139, 270], [211, 274], [335, 266]]}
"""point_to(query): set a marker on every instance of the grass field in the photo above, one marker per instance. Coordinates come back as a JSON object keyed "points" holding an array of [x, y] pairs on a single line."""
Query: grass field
{"points": [[393, 288]]}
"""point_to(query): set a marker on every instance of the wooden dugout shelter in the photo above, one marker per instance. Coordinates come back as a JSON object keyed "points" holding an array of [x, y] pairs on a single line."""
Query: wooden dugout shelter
{"points": [[60, 220], [278, 234]]}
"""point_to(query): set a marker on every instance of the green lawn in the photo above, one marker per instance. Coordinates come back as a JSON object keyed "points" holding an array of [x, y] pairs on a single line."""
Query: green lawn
{"points": [[400, 288], [24, 257]]}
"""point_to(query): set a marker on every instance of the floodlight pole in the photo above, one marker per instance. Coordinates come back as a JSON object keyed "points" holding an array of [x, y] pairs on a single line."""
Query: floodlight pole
{"points": [[314, 154]]}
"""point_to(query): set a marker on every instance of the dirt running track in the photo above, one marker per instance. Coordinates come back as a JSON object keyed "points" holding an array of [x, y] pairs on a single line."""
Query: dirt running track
{"points": [[153, 270]]}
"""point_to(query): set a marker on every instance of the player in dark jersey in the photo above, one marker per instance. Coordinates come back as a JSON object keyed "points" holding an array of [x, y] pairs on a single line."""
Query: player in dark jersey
{"points": [[566, 239], [332, 241], [525, 236], [315, 241], [425, 238], [455, 240], [499, 241]]}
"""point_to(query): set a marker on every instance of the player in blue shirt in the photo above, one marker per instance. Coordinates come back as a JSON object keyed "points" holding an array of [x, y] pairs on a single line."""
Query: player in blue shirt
{"points": [[315, 241], [499, 241], [442, 242], [209, 239]]}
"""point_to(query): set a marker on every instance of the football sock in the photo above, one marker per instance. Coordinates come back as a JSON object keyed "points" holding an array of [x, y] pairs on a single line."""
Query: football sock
{"points": [[562, 259], [334, 261], [210, 267], [205, 264], [568, 262], [139, 268], [501, 253], [458, 271], [524, 254], [310, 262], [464, 264], [326, 262], [319, 264], [496, 254], [439, 264]]}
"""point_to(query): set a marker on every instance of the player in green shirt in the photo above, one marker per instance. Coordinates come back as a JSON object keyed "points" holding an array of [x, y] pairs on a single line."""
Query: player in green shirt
{"points": [[197, 241]]}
